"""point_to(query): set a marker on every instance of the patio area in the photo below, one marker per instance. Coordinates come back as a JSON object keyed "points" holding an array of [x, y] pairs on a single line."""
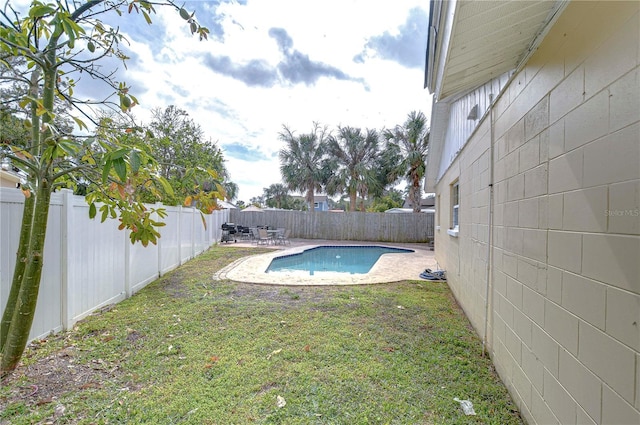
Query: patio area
{"points": [[389, 268]]}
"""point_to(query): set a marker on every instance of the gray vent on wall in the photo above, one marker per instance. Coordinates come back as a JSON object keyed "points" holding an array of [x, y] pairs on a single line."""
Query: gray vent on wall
{"points": [[473, 114]]}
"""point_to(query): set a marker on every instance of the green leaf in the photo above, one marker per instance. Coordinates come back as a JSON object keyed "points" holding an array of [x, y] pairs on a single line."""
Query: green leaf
{"points": [[134, 161], [91, 47], [92, 210], [119, 153], [105, 171], [184, 14], [40, 11], [105, 213], [146, 17], [80, 123], [121, 168], [166, 186]]}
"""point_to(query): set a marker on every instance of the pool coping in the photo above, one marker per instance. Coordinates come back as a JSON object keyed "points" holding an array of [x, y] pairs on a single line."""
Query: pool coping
{"points": [[390, 267]]}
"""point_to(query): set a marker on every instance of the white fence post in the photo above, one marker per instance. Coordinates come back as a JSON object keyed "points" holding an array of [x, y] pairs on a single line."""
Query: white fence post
{"points": [[180, 235], [159, 205], [65, 257], [193, 232], [127, 264]]}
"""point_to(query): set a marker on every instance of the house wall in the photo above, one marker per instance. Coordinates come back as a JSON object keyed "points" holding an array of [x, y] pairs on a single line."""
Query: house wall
{"points": [[8, 179], [564, 299], [461, 125]]}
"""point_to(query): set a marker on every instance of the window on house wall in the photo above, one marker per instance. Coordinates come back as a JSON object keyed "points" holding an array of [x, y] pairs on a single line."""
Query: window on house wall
{"points": [[455, 207], [316, 205]]}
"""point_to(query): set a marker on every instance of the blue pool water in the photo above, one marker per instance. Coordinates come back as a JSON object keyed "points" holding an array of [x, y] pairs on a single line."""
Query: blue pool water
{"points": [[341, 259]]}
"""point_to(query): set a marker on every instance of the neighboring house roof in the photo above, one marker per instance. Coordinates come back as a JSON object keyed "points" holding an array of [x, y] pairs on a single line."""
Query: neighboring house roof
{"points": [[316, 198], [409, 210], [9, 178], [428, 202], [226, 205], [471, 43]]}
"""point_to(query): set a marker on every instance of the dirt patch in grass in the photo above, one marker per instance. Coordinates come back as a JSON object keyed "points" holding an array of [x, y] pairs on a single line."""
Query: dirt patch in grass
{"points": [[41, 382], [188, 349]]}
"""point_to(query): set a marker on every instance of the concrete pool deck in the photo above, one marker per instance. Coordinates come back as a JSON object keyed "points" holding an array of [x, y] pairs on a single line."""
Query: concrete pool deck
{"points": [[392, 267]]}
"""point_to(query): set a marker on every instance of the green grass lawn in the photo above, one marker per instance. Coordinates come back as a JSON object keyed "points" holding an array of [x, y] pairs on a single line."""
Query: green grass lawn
{"points": [[187, 349]]}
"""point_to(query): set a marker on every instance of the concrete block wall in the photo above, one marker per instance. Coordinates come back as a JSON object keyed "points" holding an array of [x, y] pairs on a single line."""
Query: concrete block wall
{"points": [[564, 321]]}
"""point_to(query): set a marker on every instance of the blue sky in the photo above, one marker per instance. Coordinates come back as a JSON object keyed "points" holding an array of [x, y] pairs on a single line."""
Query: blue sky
{"points": [[271, 63]]}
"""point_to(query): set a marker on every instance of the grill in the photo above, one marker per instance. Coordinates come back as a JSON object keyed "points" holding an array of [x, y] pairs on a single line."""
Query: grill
{"points": [[229, 231]]}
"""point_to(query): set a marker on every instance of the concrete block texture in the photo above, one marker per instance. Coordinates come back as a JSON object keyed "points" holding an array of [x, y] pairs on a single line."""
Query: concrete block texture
{"points": [[612, 259], [623, 212], [616, 56], [533, 305], [584, 209], [537, 119], [533, 368], [567, 96], [535, 181], [565, 250], [554, 284], [623, 317], [541, 410], [585, 298], [515, 136], [588, 122], [556, 139], [616, 410], [562, 326], [624, 101], [534, 244], [610, 360], [612, 159], [529, 154], [545, 349], [637, 404], [558, 398], [566, 172], [522, 327], [555, 211], [584, 386]]}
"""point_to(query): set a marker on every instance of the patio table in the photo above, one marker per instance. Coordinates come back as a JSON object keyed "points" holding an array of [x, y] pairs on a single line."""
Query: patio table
{"points": [[272, 234]]}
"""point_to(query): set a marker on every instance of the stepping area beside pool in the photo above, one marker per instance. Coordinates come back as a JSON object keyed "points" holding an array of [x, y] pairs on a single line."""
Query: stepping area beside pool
{"points": [[389, 268]]}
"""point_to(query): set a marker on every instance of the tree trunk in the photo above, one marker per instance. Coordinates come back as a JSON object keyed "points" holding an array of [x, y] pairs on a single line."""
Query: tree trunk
{"points": [[311, 200], [353, 196], [18, 272], [25, 306], [414, 193], [27, 223]]}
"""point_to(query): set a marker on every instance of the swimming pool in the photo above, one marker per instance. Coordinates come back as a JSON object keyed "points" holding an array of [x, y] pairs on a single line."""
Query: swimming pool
{"points": [[337, 259]]}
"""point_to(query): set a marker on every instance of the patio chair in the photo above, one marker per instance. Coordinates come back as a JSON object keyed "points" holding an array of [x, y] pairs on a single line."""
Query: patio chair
{"points": [[282, 237], [263, 237], [255, 236]]}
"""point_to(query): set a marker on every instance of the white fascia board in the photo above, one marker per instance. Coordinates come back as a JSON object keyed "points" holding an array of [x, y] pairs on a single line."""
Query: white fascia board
{"points": [[445, 32]]}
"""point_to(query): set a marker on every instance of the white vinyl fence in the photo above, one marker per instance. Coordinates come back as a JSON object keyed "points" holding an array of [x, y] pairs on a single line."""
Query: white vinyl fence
{"points": [[88, 264]]}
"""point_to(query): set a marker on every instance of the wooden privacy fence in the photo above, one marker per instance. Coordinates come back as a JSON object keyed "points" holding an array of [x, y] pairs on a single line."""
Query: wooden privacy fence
{"points": [[352, 226], [88, 264]]}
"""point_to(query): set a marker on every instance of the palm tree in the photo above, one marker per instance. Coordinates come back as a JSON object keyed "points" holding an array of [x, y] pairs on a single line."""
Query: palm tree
{"points": [[303, 162], [411, 140], [276, 195], [354, 154]]}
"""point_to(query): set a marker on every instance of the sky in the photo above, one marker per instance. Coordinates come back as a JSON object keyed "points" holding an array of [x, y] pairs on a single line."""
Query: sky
{"points": [[270, 63]]}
